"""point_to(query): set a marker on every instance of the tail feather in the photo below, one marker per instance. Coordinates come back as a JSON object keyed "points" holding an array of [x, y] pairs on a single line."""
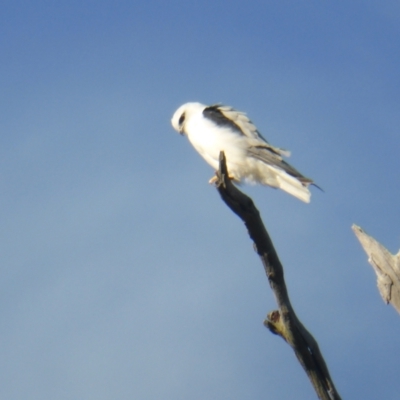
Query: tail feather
{"points": [[293, 186]]}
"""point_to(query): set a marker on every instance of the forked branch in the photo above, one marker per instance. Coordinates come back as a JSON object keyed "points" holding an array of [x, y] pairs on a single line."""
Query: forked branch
{"points": [[283, 321]]}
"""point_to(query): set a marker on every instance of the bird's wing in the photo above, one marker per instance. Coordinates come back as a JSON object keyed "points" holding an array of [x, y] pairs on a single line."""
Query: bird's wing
{"points": [[268, 155], [238, 122]]}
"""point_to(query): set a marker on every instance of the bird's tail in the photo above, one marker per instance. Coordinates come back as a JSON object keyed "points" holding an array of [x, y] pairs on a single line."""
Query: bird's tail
{"points": [[293, 186]]}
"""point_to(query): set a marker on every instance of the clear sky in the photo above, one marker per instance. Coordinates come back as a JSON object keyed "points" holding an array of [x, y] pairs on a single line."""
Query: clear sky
{"points": [[122, 273]]}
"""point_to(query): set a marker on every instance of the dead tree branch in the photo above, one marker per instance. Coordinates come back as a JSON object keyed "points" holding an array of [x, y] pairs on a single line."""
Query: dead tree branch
{"points": [[386, 267], [283, 321]]}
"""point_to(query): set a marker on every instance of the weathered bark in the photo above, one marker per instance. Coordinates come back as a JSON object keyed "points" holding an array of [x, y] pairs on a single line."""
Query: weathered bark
{"points": [[386, 267], [283, 321]]}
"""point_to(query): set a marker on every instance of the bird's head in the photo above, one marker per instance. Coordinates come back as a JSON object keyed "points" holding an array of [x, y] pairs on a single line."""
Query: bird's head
{"points": [[183, 114]]}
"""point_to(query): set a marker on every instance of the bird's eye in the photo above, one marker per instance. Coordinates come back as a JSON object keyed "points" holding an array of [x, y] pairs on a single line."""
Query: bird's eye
{"points": [[181, 119]]}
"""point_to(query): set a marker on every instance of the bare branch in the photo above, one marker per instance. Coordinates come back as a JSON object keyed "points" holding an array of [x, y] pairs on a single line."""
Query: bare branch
{"points": [[386, 266], [283, 321]]}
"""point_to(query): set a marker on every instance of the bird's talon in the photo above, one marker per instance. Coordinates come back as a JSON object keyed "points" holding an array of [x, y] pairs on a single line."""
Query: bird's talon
{"points": [[213, 180]]}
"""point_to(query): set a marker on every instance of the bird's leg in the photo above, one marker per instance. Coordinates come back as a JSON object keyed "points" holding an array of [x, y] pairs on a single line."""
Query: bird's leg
{"points": [[214, 179]]}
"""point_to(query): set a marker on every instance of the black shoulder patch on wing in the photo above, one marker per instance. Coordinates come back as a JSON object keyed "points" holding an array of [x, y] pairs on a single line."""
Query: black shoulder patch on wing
{"points": [[214, 114]]}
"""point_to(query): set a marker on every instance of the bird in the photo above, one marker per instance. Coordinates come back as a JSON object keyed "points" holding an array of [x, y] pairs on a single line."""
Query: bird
{"points": [[249, 156]]}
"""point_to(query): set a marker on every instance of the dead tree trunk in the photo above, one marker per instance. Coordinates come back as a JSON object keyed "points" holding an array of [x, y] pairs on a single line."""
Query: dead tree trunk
{"points": [[282, 322], [386, 266]]}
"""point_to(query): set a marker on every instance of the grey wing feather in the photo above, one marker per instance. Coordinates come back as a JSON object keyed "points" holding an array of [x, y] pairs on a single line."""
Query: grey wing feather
{"points": [[269, 155], [248, 129], [242, 121]]}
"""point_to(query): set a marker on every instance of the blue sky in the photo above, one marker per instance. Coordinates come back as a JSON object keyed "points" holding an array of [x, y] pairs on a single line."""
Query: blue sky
{"points": [[122, 273]]}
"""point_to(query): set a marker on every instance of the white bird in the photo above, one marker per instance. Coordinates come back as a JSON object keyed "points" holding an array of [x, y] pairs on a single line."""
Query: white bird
{"points": [[249, 157]]}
